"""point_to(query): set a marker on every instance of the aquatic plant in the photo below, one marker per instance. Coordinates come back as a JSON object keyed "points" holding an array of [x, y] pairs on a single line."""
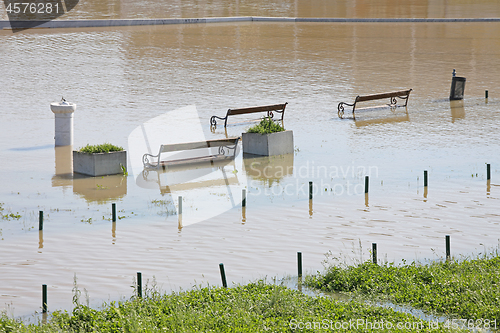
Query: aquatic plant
{"points": [[124, 170], [467, 288], [8, 216], [102, 148], [266, 126]]}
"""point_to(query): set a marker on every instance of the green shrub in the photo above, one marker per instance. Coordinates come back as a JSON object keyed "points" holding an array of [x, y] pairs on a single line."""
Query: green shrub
{"points": [[266, 126], [102, 148]]}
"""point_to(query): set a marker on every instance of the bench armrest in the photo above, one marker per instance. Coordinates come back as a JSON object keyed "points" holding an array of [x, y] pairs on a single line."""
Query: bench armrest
{"points": [[213, 121], [340, 108], [147, 164]]}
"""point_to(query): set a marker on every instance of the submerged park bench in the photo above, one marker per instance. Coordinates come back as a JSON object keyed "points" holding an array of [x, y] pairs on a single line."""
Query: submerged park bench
{"points": [[270, 109], [402, 94], [225, 145]]}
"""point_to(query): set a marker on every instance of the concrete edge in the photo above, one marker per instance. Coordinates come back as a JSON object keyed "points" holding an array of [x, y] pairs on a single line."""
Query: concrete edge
{"points": [[135, 22]]}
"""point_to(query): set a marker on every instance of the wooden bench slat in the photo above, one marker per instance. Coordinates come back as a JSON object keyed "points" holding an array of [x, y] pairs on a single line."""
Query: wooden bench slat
{"points": [[383, 95], [198, 145], [280, 108], [266, 108]]}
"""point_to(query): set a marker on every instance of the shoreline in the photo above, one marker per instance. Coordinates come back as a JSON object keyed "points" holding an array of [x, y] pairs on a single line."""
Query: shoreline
{"points": [[61, 24]]}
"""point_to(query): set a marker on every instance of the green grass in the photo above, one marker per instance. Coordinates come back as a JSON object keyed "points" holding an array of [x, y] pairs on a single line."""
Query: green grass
{"points": [[256, 307], [468, 289], [266, 126], [102, 148]]}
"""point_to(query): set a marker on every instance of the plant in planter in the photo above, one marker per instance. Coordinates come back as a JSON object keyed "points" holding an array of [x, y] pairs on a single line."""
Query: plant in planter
{"points": [[267, 138], [100, 160]]}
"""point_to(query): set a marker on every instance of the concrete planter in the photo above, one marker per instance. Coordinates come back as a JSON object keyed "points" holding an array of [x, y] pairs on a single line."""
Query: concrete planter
{"points": [[278, 143], [100, 164]]}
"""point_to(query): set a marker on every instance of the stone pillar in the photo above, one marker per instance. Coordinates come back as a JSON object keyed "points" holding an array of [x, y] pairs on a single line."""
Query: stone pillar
{"points": [[63, 112]]}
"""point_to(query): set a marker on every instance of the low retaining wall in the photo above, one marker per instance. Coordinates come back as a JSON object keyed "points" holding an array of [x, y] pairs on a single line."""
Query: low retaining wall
{"points": [[135, 22]]}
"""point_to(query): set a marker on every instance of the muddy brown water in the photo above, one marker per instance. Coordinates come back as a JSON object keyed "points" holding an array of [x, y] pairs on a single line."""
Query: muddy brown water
{"points": [[122, 77]]}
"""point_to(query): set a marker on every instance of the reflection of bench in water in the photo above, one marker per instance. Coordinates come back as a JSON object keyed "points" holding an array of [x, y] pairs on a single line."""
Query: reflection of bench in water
{"points": [[402, 94], [375, 118], [188, 177], [225, 146]]}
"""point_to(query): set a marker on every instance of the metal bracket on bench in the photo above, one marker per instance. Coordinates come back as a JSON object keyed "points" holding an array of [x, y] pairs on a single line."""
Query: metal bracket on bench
{"points": [[222, 150], [213, 122], [394, 101], [340, 108]]}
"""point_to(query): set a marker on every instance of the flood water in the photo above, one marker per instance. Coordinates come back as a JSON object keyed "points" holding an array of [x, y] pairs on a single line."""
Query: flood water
{"points": [[121, 78]]}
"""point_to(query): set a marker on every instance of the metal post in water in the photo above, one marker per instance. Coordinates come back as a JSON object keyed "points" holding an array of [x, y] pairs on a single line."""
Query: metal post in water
{"points": [[223, 275], [310, 190], [113, 211], [40, 220], [425, 178], [44, 298], [299, 264], [488, 173], [448, 252], [180, 205], [367, 180], [243, 198], [374, 252], [139, 284], [486, 94]]}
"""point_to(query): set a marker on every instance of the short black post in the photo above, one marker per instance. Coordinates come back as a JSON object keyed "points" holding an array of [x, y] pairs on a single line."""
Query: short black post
{"points": [[113, 211], [488, 172], [299, 264], [448, 252], [367, 181], [486, 94], [243, 198], [374, 252], [223, 275], [44, 298], [310, 190], [425, 178], [40, 220], [139, 284]]}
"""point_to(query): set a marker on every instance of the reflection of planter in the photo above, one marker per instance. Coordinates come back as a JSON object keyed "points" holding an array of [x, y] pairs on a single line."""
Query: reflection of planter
{"points": [[269, 167], [278, 143], [100, 189], [100, 164]]}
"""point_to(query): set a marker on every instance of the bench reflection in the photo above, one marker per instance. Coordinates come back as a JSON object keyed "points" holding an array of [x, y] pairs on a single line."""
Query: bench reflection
{"points": [[382, 117], [189, 176]]}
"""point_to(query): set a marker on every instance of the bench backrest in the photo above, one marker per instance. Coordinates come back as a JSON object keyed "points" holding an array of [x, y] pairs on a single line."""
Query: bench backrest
{"points": [[265, 108], [402, 93], [198, 145]]}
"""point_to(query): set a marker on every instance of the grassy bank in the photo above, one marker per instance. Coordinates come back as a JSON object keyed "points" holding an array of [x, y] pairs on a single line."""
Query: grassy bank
{"points": [[256, 307], [468, 289]]}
